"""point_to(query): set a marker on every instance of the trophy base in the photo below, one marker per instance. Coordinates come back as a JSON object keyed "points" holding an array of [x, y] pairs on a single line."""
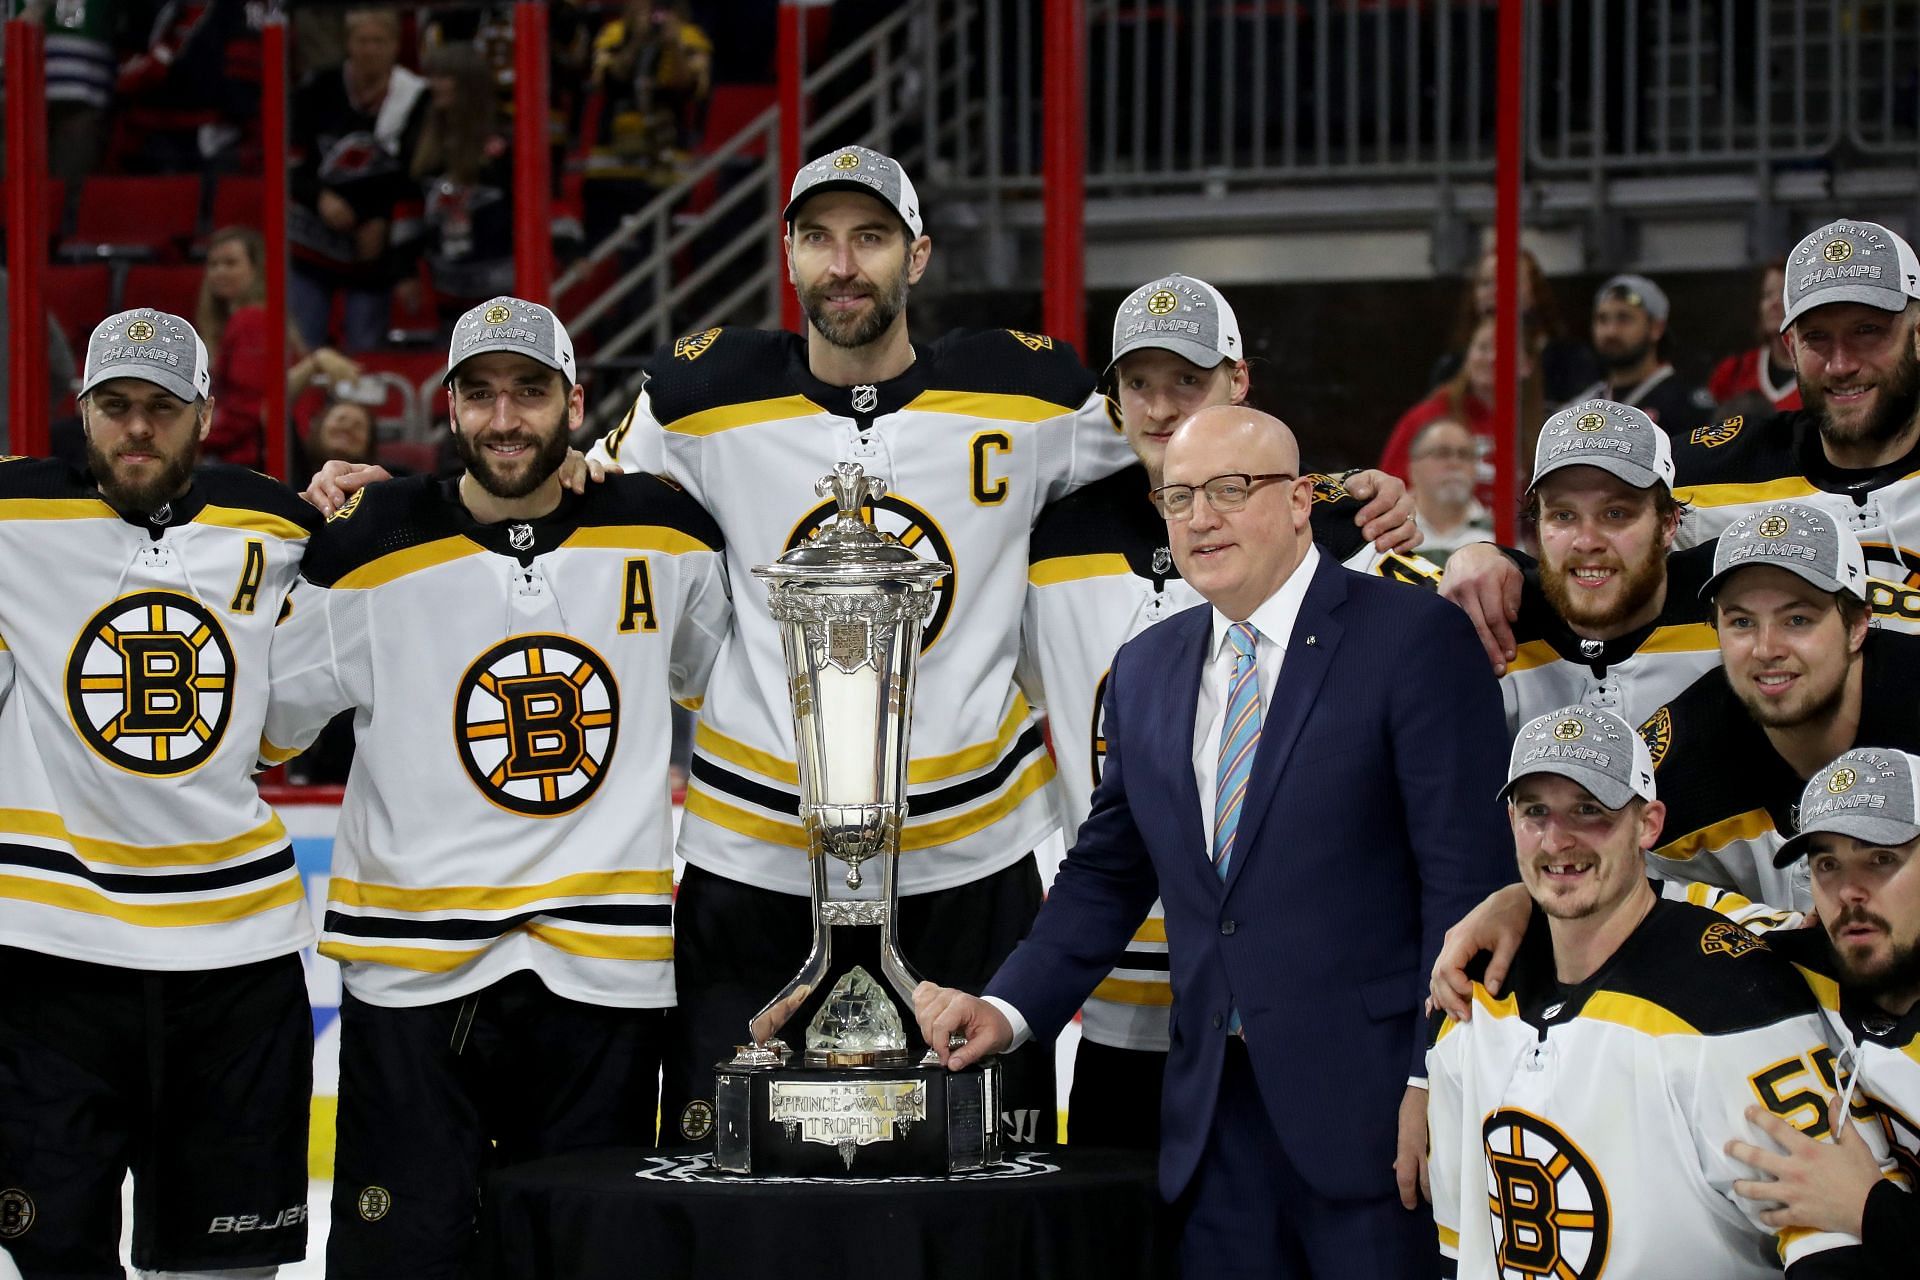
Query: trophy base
{"points": [[798, 1121]]}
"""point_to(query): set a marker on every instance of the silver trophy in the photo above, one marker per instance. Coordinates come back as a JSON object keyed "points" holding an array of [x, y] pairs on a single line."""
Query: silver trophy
{"points": [[851, 603]]}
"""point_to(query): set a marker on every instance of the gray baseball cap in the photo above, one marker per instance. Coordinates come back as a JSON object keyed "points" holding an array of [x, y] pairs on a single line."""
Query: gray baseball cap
{"points": [[858, 169], [1638, 290], [1594, 748], [1617, 438], [1803, 540], [1848, 261], [1869, 793], [1179, 314], [154, 346], [512, 324]]}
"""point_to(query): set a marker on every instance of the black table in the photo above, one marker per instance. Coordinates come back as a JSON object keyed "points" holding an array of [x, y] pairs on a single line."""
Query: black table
{"points": [[627, 1214]]}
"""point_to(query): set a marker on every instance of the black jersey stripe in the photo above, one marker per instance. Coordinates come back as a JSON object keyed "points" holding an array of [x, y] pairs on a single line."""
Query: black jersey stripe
{"points": [[464, 929], [275, 864]]}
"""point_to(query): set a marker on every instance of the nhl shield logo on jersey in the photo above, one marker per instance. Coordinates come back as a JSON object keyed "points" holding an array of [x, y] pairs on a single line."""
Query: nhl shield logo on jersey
{"points": [[1725, 938], [1712, 437], [535, 722], [693, 346], [150, 683], [866, 398], [1657, 733], [1550, 1214], [915, 530]]}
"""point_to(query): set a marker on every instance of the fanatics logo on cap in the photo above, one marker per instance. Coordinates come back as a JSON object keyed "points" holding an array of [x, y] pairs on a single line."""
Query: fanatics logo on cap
{"points": [[1162, 302], [1568, 730], [498, 314], [140, 331], [1841, 780], [1837, 250]]}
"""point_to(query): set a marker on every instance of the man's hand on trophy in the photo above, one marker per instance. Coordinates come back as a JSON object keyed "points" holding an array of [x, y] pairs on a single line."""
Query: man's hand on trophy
{"points": [[959, 1028]]}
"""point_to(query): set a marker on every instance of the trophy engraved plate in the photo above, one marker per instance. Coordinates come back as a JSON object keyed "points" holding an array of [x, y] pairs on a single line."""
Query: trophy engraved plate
{"points": [[850, 604]]}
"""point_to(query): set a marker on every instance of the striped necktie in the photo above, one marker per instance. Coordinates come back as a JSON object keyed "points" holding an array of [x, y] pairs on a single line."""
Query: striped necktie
{"points": [[1239, 739]]}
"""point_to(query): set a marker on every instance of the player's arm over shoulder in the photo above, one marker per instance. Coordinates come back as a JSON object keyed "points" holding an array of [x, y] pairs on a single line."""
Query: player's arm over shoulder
{"points": [[387, 518], [656, 501], [240, 489], [1012, 362]]}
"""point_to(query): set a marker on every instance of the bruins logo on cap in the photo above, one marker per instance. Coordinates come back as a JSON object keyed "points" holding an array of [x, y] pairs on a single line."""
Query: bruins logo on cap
{"points": [[1590, 422], [1719, 433], [1033, 341], [497, 314], [846, 160], [1841, 780], [1724, 938], [1569, 731], [1837, 250], [1162, 301], [696, 1122], [694, 346], [1657, 733], [140, 331], [1773, 526], [374, 1203]]}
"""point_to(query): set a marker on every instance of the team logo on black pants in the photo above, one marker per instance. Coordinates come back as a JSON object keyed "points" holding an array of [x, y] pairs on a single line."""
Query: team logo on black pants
{"points": [[150, 683], [1550, 1213], [16, 1213], [374, 1203], [535, 722]]}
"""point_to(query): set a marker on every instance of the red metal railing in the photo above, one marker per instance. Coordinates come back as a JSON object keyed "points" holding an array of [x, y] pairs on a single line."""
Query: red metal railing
{"points": [[26, 131]]}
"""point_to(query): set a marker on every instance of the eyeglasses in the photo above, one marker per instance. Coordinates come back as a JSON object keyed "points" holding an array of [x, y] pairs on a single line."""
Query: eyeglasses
{"points": [[1224, 493], [1464, 453]]}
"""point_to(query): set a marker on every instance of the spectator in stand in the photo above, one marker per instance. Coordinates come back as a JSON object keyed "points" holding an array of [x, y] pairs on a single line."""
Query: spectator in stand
{"points": [[1630, 336], [1563, 363], [80, 68], [191, 97], [1760, 380], [344, 430], [655, 65], [1465, 398], [232, 321], [1441, 466], [464, 165], [354, 134]]}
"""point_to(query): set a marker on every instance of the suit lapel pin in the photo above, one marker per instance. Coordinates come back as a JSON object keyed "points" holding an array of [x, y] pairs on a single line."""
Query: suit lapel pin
{"points": [[1313, 639]]}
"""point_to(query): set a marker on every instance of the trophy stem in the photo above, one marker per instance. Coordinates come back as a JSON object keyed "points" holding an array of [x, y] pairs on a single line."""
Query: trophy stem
{"points": [[893, 962], [774, 1015]]}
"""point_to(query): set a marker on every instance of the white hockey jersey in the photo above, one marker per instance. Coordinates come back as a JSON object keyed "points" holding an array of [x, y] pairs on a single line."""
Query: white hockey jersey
{"points": [[973, 440], [1581, 1130], [131, 831], [508, 806], [1631, 675], [1101, 573], [1731, 468]]}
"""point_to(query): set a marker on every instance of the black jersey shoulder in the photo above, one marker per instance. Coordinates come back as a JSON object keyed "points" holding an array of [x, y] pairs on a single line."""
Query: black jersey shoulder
{"points": [[43, 478], [650, 500], [1112, 515], [1707, 972], [1008, 362], [1334, 508], [1890, 688], [1743, 449], [732, 364], [224, 485], [384, 518], [1687, 571], [1712, 762]]}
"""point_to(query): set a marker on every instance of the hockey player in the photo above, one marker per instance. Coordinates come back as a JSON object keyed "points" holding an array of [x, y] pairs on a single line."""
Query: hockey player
{"points": [[502, 880], [1610, 620], [1852, 295], [1100, 573], [1860, 830], [1579, 1120], [156, 1011]]}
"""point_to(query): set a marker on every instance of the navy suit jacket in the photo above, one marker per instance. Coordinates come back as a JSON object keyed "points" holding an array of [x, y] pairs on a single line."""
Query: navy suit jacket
{"points": [[1369, 827]]}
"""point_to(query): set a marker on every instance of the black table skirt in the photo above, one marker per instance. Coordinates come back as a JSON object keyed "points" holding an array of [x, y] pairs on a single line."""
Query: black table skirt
{"points": [[640, 1215]]}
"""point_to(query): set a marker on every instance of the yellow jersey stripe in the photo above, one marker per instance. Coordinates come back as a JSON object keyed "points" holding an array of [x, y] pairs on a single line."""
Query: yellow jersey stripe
{"points": [[1049, 573], [389, 568], [1154, 930], [702, 803], [1534, 653], [627, 537], [1824, 989], [1129, 991], [56, 509], [1733, 495], [273, 754], [584, 884], [251, 521], [747, 414], [1750, 825], [1449, 1238], [160, 915], [920, 772], [605, 946], [974, 404], [48, 826], [421, 959], [1686, 637], [1640, 1015]]}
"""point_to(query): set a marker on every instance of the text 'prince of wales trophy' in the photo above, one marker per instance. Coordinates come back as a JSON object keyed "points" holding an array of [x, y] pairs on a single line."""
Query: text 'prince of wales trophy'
{"points": [[850, 604]]}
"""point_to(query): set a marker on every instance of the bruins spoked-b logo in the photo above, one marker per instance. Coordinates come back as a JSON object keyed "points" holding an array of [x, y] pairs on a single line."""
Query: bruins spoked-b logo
{"points": [[1549, 1208], [916, 531], [16, 1213], [1837, 250], [1569, 731], [150, 683], [1590, 422], [1774, 526], [535, 723]]}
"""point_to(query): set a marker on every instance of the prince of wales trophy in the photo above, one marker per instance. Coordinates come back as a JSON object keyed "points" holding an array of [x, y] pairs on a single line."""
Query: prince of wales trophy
{"points": [[859, 1097]]}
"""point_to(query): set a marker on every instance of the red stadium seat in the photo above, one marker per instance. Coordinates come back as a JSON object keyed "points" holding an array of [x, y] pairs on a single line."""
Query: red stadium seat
{"points": [[236, 203], [80, 297], [164, 287], [124, 217]]}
